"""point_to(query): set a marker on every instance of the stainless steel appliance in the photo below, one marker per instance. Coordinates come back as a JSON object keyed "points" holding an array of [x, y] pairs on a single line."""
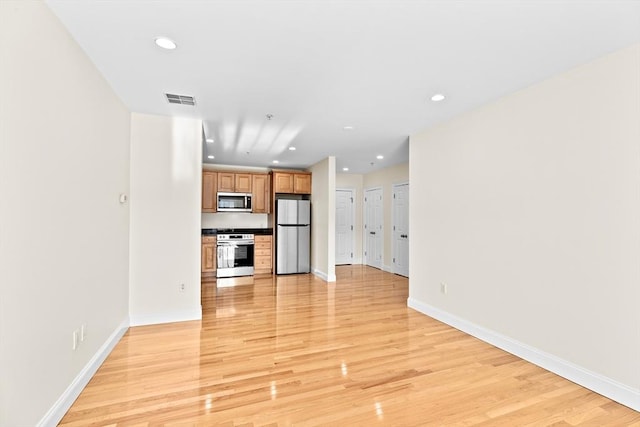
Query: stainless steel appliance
{"points": [[293, 236], [235, 255], [234, 202]]}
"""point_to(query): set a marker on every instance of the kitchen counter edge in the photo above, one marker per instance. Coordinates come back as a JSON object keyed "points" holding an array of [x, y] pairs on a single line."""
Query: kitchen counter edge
{"points": [[256, 231]]}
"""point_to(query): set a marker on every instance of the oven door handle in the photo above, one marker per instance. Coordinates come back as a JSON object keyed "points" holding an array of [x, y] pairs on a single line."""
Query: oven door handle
{"points": [[236, 243]]}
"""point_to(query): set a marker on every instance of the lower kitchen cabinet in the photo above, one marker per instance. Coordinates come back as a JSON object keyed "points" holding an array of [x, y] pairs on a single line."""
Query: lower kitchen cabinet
{"points": [[208, 265], [262, 261]]}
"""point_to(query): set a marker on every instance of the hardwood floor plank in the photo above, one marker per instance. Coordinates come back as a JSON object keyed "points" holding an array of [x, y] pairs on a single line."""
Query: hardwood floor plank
{"points": [[294, 350]]}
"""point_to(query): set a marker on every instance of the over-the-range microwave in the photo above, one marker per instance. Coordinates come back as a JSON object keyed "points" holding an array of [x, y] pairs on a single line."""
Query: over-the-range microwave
{"points": [[234, 202]]}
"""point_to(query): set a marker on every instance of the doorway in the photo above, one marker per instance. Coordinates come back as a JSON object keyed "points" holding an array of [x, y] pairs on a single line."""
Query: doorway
{"points": [[401, 229], [373, 227], [344, 226]]}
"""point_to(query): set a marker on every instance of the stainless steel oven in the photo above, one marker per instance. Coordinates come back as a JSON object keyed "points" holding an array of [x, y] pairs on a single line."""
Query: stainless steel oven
{"points": [[235, 255]]}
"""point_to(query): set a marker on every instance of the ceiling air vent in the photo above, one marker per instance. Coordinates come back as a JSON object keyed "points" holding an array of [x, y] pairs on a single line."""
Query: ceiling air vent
{"points": [[180, 99]]}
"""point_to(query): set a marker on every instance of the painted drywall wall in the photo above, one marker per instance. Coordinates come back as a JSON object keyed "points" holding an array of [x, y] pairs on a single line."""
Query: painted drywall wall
{"points": [[385, 179], [234, 220], [64, 249], [323, 219], [529, 210], [354, 182], [166, 182]]}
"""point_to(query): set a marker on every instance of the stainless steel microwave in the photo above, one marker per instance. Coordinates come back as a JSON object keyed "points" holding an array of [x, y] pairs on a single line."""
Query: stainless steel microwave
{"points": [[234, 202]]}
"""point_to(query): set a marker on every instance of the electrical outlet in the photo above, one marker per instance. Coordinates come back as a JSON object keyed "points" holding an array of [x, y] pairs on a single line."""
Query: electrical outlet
{"points": [[75, 339], [181, 287], [443, 288], [83, 332]]}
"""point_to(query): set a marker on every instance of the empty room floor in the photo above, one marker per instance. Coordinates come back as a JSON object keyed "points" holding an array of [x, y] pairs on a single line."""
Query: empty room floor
{"points": [[294, 350]]}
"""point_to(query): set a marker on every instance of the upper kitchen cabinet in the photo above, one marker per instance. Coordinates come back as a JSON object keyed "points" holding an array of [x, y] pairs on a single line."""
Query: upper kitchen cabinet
{"points": [[302, 183], [297, 182], [209, 189], [261, 192], [243, 183], [231, 182], [282, 182], [226, 181]]}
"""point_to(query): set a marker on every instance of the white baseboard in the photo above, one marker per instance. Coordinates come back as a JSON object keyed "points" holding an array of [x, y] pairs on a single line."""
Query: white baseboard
{"points": [[64, 402], [324, 276], [387, 268], [176, 316], [605, 386]]}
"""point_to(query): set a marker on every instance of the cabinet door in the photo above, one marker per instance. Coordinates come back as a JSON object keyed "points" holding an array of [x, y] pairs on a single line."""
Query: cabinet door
{"points": [[260, 187], [226, 181], [208, 258], [302, 183], [209, 188], [283, 182], [243, 183]]}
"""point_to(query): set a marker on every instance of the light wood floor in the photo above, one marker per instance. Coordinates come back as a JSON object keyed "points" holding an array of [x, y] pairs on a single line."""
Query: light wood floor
{"points": [[294, 350]]}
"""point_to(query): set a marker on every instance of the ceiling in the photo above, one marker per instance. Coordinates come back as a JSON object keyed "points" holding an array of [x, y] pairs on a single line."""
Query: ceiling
{"points": [[316, 66]]}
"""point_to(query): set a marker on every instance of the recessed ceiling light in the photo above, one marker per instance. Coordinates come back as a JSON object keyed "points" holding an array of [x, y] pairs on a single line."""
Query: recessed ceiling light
{"points": [[210, 157], [209, 140], [345, 169], [292, 148], [348, 128], [437, 97], [275, 162], [165, 43], [379, 157]]}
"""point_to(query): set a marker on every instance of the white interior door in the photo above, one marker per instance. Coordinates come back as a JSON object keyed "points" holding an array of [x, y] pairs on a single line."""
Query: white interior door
{"points": [[373, 230], [344, 226], [401, 229]]}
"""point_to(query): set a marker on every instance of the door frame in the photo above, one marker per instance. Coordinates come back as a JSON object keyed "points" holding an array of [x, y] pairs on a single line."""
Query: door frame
{"points": [[393, 223], [353, 220], [364, 223]]}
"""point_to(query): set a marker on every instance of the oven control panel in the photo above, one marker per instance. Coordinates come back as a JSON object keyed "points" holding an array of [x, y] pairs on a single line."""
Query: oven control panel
{"points": [[223, 237]]}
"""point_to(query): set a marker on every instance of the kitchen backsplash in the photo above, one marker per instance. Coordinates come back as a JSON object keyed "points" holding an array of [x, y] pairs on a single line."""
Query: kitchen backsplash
{"points": [[234, 220]]}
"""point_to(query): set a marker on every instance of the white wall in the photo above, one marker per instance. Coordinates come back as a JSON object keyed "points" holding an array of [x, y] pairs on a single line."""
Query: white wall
{"points": [[64, 160], [234, 220], [354, 182], [529, 209], [323, 219], [166, 182], [385, 179]]}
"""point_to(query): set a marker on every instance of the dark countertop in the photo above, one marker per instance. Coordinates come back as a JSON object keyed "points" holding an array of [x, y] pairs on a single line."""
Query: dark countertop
{"points": [[258, 231]]}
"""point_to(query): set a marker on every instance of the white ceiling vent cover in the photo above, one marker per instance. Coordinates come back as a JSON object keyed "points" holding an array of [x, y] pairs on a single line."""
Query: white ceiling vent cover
{"points": [[180, 99]]}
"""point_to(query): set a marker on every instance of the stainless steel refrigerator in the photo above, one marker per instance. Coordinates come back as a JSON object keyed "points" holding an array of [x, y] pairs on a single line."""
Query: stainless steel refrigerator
{"points": [[293, 236]]}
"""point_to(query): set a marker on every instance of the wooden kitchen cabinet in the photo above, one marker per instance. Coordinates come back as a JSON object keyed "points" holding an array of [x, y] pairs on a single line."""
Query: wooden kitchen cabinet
{"points": [[226, 182], [292, 182], [261, 193], [243, 183], [262, 260], [302, 183], [209, 189], [208, 265], [231, 182], [282, 182]]}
